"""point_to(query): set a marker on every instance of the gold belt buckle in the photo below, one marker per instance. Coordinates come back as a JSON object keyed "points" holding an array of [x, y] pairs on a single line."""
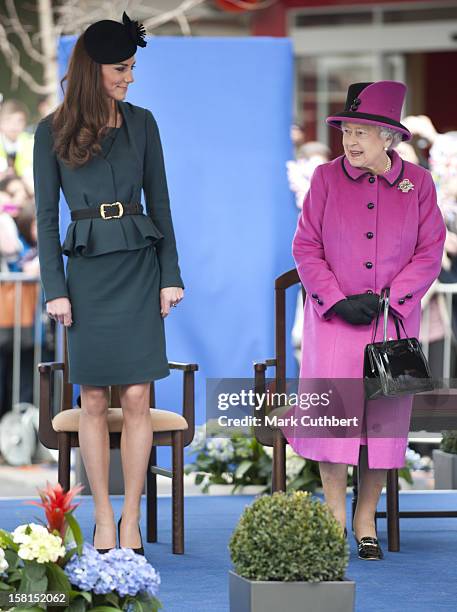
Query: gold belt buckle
{"points": [[103, 214]]}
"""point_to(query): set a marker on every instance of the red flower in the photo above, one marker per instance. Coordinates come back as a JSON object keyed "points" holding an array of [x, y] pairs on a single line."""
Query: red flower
{"points": [[56, 503]]}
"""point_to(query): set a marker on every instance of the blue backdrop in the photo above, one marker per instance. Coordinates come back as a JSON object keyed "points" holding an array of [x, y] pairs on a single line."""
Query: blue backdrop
{"points": [[224, 110]]}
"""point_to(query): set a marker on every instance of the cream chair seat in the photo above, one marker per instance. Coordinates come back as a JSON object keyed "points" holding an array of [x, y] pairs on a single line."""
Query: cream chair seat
{"points": [[161, 420]]}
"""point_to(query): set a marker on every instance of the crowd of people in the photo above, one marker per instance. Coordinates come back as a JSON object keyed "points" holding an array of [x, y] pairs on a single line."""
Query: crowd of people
{"points": [[438, 153], [18, 244]]}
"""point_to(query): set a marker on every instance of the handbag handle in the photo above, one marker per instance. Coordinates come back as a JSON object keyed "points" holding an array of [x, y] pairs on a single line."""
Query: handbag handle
{"points": [[384, 301], [396, 319], [380, 305]]}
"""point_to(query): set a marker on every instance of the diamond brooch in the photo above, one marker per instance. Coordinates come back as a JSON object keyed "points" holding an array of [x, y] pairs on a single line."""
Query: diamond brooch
{"points": [[405, 185]]}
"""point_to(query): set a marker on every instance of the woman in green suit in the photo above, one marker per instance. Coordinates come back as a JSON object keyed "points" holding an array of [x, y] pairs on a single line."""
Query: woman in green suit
{"points": [[122, 273]]}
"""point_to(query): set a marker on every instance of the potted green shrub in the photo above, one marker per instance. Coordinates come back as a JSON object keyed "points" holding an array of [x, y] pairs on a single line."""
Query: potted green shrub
{"points": [[445, 462], [289, 553]]}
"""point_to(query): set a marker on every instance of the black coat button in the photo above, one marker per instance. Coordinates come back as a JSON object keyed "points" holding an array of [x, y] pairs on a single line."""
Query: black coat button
{"points": [[368, 264], [370, 234], [314, 295], [370, 205], [401, 301], [320, 302], [409, 295], [369, 291], [371, 179]]}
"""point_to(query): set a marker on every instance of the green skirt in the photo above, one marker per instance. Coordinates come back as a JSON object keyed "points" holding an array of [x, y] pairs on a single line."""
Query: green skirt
{"points": [[117, 335]]}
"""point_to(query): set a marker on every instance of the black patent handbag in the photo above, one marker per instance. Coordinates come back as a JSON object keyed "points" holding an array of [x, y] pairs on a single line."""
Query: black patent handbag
{"points": [[393, 368]]}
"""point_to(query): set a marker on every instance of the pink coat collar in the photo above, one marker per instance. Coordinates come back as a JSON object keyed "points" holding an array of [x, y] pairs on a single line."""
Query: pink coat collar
{"points": [[392, 177]]}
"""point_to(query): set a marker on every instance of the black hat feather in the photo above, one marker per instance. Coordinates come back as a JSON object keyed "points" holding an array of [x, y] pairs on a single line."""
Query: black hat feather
{"points": [[136, 30]]}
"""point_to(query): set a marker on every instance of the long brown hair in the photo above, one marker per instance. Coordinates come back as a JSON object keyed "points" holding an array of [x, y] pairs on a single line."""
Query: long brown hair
{"points": [[80, 121]]}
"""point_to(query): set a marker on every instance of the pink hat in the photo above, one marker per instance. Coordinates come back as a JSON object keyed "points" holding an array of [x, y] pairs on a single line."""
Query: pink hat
{"points": [[377, 103]]}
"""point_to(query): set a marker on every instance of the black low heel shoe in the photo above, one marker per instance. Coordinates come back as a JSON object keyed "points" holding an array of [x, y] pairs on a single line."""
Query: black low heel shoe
{"points": [[369, 548], [100, 550], [345, 533], [138, 551]]}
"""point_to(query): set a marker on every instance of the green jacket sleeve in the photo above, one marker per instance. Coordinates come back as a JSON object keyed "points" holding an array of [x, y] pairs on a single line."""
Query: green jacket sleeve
{"points": [[46, 178], [158, 205]]}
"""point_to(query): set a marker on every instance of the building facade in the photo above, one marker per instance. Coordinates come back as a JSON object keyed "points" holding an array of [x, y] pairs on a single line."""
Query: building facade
{"points": [[338, 42]]}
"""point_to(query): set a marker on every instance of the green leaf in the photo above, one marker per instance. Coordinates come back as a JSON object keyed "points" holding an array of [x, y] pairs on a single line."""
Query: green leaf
{"points": [[113, 599], [79, 604], [34, 570], [15, 575], [103, 609], [5, 587], [199, 478], [12, 557], [69, 554], [57, 579], [86, 594], [137, 607], [76, 530], [406, 474], [144, 602], [243, 468], [34, 579], [6, 537]]}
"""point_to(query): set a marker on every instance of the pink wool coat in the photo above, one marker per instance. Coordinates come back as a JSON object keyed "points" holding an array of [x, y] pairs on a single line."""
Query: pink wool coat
{"points": [[359, 233]]}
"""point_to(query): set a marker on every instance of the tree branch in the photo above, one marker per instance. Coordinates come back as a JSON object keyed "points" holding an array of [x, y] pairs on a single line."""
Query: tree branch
{"points": [[12, 57], [20, 31]]}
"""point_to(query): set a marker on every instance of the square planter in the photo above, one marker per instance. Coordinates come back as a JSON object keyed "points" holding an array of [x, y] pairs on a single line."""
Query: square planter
{"points": [[271, 596], [445, 468]]}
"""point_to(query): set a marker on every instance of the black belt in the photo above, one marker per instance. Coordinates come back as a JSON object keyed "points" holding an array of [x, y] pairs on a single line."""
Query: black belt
{"points": [[114, 210]]}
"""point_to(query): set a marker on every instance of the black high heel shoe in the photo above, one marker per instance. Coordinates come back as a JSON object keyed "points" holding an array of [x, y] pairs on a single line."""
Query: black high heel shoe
{"points": [[100, 550], [369, 548], [138, 551]]}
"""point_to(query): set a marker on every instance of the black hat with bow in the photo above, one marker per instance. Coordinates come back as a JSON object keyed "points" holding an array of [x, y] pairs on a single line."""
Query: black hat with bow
{"points": [[111, 42]]}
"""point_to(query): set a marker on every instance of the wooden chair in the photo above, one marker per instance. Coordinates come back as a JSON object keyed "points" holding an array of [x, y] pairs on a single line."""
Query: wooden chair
{"points": [[60, 432], [430, 413], [422, 416]]}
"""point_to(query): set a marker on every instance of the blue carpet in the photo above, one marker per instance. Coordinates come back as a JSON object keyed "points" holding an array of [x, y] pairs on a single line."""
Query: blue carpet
{"points": [[420, 578]]}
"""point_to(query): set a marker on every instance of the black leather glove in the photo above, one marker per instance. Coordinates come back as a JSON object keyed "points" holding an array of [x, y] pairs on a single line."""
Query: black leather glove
{"points": [[369, 299], [355, 311]]}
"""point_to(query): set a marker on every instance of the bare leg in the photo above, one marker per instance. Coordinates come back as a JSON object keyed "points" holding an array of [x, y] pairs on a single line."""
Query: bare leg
{"points": [[136, 443], [370, 488], [334, 479], [94, 446]]}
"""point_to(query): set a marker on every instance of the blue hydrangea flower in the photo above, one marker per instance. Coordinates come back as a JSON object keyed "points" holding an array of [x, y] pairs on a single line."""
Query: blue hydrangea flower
{"points": [[83, 571], [220, 449], [119, 570]]}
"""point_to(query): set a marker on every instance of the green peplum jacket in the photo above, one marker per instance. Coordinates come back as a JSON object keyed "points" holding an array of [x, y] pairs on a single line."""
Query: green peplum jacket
{"points": [[131, 168]]}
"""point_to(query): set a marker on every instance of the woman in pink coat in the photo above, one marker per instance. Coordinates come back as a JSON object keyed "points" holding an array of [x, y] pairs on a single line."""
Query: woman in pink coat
{"points": [[370, 220]]}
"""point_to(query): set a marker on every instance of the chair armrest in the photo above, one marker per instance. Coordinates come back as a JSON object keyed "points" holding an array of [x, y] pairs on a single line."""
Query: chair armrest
{"points": [[271, 362], [188, 396], [185, 367], [46, 366], [46, 433], [260, 366], [263, 434]]}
